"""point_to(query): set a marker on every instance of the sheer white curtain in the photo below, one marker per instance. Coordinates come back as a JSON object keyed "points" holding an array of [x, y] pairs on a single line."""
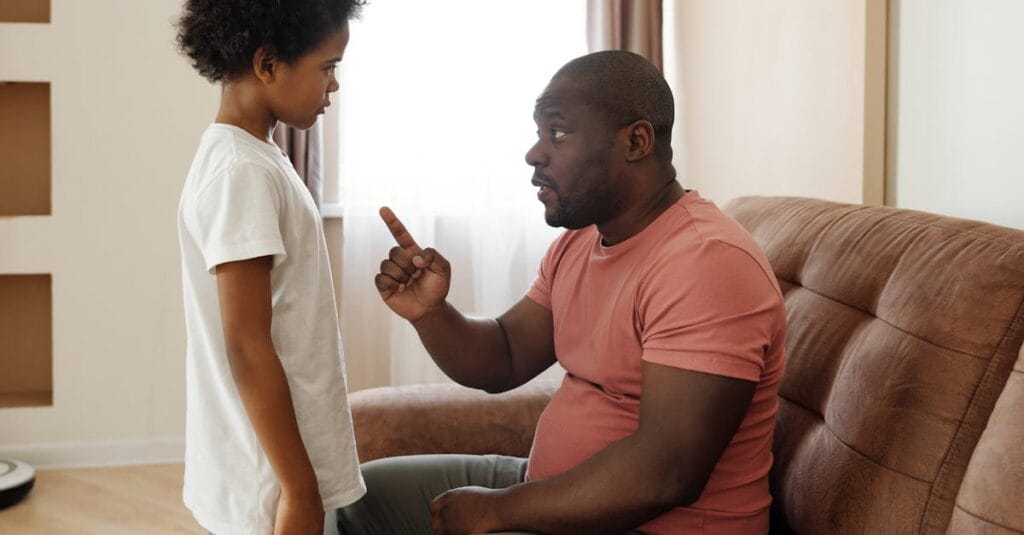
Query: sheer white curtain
{"points": [[436, 112]]}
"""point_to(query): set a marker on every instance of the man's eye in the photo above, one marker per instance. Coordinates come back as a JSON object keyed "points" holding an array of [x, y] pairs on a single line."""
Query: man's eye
{"points": [[556, 134]]}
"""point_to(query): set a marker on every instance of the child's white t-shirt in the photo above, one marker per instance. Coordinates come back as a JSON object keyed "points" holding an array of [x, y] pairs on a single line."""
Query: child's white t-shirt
{"points": [[243, 199]]}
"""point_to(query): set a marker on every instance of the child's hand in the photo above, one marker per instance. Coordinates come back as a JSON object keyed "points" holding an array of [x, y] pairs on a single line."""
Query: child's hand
{"points": [[412, 281], [299, 514]]}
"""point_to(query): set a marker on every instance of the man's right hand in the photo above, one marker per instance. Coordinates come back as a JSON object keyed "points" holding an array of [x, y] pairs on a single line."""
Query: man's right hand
{"points": [[412, 281]]}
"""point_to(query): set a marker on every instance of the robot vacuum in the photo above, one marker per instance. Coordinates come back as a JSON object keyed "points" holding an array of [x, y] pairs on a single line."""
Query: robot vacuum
{"points": [[16, 479]]}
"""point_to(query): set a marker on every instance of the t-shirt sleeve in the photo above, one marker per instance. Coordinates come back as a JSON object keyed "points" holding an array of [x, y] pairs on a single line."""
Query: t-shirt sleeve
{"points": [[237, 217], [716, 315], [540, 291]]}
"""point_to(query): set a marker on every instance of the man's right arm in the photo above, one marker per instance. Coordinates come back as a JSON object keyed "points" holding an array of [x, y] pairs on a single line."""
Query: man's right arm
{"points": [[490, 354]]}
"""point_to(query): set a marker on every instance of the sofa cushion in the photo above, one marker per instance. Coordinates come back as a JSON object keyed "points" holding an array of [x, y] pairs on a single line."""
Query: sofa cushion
{"points": [[903, 329], [990, 499]]}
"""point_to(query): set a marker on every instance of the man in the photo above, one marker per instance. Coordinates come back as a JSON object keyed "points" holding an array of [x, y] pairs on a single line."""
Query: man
{"points": [[663, 311]]}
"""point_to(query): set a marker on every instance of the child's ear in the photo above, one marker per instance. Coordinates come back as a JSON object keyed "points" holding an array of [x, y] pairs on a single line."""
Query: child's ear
{"points": [[264, 64]]}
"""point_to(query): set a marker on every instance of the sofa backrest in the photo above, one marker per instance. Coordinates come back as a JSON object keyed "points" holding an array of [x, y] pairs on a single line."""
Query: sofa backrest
{"points": [[903, 329]]}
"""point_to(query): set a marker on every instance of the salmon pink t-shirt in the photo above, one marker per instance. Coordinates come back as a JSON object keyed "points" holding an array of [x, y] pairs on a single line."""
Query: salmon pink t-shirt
{"points": [[691, 290]]}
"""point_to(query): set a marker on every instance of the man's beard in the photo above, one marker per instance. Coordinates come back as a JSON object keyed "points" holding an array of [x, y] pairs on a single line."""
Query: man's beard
{"points": [[591, 203]]}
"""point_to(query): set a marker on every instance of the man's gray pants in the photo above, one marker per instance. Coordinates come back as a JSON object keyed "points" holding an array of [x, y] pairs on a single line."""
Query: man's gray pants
{"points": [[399, 490]]}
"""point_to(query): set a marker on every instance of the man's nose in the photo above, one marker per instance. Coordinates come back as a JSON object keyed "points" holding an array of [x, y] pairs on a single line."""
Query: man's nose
{"points": [[536, 156]]}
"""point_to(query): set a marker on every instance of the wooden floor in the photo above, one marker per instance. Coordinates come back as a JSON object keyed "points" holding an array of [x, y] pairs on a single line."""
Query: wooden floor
{"points": [[108, 501]]}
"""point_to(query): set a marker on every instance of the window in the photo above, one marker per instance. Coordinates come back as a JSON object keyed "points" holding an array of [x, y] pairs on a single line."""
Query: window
{"points": [[436, 115], [437, 99]]}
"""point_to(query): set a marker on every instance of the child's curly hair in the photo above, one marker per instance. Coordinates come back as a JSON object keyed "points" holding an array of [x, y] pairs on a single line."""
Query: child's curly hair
{"points": [[221, 36]]}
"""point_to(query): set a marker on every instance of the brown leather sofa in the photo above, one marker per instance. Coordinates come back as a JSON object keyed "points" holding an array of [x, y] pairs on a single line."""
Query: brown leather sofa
{"points": [[902, 405]]}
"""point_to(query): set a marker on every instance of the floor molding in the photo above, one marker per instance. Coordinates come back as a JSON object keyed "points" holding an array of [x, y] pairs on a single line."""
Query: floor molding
{"points": [[83, 454]]}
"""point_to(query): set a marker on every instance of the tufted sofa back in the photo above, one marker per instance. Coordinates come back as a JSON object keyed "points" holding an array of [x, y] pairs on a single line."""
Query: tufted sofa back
{"points": [[903, 329]]}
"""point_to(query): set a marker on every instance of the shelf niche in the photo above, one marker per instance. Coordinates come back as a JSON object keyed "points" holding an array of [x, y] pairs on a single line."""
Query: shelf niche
{"points": [[26, 341], [25, 175], [25, 11]]}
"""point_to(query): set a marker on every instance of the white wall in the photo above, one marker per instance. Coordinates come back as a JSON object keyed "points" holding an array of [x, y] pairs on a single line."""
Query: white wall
{"points": [[770, 97], [127, 113], [959, 100]]}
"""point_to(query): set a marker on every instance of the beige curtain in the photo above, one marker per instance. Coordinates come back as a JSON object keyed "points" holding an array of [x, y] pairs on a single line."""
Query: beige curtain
{"points": [[305, 150], [633, 25]]}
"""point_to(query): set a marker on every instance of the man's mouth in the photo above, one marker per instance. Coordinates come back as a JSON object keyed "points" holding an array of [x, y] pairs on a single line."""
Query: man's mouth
{"points": [[545, 192], [546, 188], [541, 182]]}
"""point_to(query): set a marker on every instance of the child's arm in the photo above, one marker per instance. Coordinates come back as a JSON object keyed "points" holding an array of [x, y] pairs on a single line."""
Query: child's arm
{"points": [[245, 304]]}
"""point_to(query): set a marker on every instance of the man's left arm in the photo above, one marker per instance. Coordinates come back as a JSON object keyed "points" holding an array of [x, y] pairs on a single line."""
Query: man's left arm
{"points": [[687, 419]]}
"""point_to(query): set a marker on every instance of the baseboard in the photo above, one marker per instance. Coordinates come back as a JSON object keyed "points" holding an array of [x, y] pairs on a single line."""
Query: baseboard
{"points": [[80, 454]]}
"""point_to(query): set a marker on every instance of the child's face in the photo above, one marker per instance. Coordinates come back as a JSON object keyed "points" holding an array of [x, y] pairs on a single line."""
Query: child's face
{"points": [[301, 89]]}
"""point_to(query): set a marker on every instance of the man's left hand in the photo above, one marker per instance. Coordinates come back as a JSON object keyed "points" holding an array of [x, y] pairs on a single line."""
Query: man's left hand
{"points": [[465, 511]]}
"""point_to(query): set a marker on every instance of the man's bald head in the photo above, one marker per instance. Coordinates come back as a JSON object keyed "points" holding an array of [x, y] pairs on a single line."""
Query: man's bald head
{"points": [[625, 88]]}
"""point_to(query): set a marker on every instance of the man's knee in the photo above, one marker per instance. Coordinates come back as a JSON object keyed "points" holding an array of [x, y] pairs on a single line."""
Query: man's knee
{"points": [[399, 489], [398, 495]]}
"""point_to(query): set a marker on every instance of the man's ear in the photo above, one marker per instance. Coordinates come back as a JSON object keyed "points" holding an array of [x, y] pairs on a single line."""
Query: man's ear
{"points": [[264, 64], [641, 140]]}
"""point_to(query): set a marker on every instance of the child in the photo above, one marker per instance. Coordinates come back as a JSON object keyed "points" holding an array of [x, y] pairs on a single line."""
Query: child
{"points": [[269, 443]]}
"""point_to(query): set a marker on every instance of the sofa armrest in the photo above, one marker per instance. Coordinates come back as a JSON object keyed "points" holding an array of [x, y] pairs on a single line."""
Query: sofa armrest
{"points": [[446, 418]]}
